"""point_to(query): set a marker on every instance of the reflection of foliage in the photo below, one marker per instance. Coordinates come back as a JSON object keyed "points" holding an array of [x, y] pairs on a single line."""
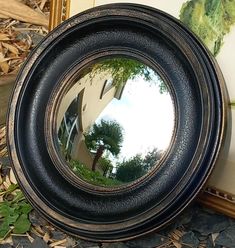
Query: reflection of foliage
{"points": [[130, 170], [209, 19], [106, 165], [151, 158], [123, 69], [93, 177], [135, 167], [107, 135]]}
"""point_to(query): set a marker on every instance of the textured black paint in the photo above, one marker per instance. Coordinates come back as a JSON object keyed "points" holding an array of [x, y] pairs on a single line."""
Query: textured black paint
{"points": [[160, 39]]}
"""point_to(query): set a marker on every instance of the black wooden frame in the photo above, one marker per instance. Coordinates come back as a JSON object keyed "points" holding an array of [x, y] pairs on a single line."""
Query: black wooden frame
{"points": [[200, 101]]}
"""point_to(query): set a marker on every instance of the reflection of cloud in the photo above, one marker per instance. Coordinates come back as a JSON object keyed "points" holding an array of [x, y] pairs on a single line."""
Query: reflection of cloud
{"points": [[146, 116]]}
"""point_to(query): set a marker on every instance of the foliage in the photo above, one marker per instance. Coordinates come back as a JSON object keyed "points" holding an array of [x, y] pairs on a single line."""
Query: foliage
{"points": [[123, 69], [210, 20], [107, 135], [151, 159], [14, 214], [93, 177], [106, 165], [135, 167], [131, 169]]}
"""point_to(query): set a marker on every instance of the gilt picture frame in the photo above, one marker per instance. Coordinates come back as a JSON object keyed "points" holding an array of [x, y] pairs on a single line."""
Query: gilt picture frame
{"points": [[219, 193]]}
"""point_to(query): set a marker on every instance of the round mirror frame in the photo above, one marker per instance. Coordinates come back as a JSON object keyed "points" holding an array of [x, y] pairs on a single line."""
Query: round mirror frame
{"points": [[200, 99], [62, 87]]}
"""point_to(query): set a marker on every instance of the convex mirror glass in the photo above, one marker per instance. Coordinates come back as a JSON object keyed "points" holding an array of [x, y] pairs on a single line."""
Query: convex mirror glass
{"points": [[116, 122]]}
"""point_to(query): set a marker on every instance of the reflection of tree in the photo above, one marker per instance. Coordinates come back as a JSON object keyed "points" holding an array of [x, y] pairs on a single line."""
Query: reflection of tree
{"points": [[107, 135], [151, 158], [123, 69], [135, 167], [130, 170], [106, 165]]}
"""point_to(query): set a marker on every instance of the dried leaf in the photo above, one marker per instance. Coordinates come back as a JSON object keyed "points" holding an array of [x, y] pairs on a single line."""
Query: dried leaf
{"points": [[46, 237], [2, 57], [2, 133], [177, 244], [43, 2], [4, 37], [3, 16], [31, 239], [12, 177], [214, 236], [3, 152], [34, 231], [4, 66], [19, 11], [176, 235], [60, 242], [6, 186], [7, 180], [10, 48], [39, 230]]}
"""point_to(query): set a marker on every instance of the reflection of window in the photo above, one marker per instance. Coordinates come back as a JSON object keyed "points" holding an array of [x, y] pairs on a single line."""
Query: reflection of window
{"points": [[69, 128], [108, 84]]}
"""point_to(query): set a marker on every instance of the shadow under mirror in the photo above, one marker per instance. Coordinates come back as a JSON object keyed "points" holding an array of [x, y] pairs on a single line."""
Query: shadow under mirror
{"points": [[116, 122]]}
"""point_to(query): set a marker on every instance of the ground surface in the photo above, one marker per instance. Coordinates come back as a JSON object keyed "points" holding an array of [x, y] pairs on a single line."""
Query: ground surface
{"points": [[197, 227]]}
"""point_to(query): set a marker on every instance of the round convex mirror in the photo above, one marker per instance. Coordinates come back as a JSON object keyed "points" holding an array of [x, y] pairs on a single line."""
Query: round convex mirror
{"points": [[115, 123], [114, 87]]}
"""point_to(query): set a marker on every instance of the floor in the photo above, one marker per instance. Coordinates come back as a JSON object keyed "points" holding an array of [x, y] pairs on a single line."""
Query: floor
{"points": [[196, 227]]}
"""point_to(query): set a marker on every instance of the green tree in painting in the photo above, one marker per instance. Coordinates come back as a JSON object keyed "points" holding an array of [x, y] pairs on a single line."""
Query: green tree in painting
{"points": [[105, 136], [210, 20]]}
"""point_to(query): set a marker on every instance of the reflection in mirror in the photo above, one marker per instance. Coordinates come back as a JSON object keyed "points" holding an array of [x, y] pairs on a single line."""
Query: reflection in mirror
{"points": [[116, 122]]}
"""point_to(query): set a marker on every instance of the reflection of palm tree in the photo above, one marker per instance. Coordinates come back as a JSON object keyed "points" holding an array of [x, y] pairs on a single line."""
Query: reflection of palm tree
{"points": [[107, 135]]}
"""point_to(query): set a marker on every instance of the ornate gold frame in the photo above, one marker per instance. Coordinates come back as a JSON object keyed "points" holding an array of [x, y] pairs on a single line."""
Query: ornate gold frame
{"points": [[59, 11], [218, 200], [212, 197]]}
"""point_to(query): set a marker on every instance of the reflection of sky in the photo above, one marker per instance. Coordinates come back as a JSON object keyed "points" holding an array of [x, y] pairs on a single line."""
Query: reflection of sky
{"points": [[147, 117]]}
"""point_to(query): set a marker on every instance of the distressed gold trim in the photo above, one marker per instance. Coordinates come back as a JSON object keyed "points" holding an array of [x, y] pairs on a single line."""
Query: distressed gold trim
{"points": [[59, 11], [218, 200], [221, 194]]}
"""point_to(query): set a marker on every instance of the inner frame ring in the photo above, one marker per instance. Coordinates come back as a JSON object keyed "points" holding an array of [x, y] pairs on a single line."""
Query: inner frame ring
{"points": [[66, 82]]}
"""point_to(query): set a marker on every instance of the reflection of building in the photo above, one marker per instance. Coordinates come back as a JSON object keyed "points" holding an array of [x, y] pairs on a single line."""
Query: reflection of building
{"points": [[79, 110]]}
